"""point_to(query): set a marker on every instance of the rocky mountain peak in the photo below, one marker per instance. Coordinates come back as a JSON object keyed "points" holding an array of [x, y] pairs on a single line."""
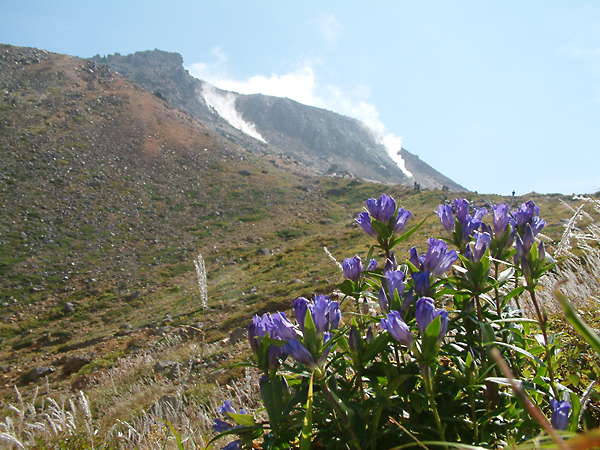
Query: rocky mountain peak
{"points": [[317, 141]]}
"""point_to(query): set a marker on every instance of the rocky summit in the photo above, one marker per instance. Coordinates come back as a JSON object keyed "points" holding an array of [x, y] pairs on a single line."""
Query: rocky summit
{"points": [[303, 138]]}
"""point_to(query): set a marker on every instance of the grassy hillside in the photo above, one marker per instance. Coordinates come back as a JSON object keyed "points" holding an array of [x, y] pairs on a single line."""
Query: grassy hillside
{"points": [[109, 196]]}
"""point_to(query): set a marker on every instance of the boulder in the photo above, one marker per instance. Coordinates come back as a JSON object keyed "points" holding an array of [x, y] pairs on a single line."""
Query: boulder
{"points": [[237, 335], [170, 369], [76, 363], [38, 372]]}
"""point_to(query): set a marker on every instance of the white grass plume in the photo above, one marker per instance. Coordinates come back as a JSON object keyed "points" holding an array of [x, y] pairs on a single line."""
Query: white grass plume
{"points": [[201, 271]]}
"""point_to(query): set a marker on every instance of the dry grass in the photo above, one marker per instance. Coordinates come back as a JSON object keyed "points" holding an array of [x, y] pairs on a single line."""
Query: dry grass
{"points": [[189, 403], [579, 254]]}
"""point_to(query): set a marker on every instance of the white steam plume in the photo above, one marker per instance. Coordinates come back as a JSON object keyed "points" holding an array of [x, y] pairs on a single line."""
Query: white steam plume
{"points": [[302, 86], [224, 104]]}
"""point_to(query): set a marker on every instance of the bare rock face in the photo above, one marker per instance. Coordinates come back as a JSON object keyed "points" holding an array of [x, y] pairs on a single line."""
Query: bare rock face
{"points": [[308, 139]]}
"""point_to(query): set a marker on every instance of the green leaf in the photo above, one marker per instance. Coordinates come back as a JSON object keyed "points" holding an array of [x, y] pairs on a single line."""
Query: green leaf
{"points": [[310, 334], [430, 346], [533, 387], [576, 321], [175, 433], [343, 343], [519, 350], [514, 319], [272, 393], [512, 294], [409, 233], [347, 288], [374, 348], [506, 275], [348, 412], [245, 420], [575, 410], [272, 341], [382, 230]]}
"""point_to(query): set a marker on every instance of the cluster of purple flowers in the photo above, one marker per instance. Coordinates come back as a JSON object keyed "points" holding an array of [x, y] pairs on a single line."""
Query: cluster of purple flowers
{"points": [[436, 261], [431, 265], [352, 268], [276, 326], [481, 244], [465, 224], [392, 283], [309, 341], [383, 210], [325, 316], [425, 313], [520, 227]]}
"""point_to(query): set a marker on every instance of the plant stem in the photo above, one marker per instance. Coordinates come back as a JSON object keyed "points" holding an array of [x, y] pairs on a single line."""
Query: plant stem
{"points": [[353, 440], [474, 416], [426, 372], [496, 292], [543, 321]]}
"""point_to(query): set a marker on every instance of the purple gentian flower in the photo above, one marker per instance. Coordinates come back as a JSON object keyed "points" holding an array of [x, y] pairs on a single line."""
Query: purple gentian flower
{"points": [[482, 242], [401, 219], [390, 263], [282, 328], [318, 311], [525, 213], [438, 259], [233, 445], [219, 426], [461, 206], [300, 353], [471, 224], [501, 218], [415, 259], [395, 282], [352, 268], [326, 314], [384, 304], [468, 223], [226, 409], [425, 313], [529, 214], [537, 224], [541, 251], [397, 328], [300, 308], [257, 328], [560, 414], [421, 282], [364, 220], [354, 341], [372, 264], [276, 326], [382, 209], [445, 214], [524, 245]]}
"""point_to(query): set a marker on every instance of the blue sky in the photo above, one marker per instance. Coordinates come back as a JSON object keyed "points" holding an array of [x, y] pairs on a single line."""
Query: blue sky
{"points": [[499, 96]]}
